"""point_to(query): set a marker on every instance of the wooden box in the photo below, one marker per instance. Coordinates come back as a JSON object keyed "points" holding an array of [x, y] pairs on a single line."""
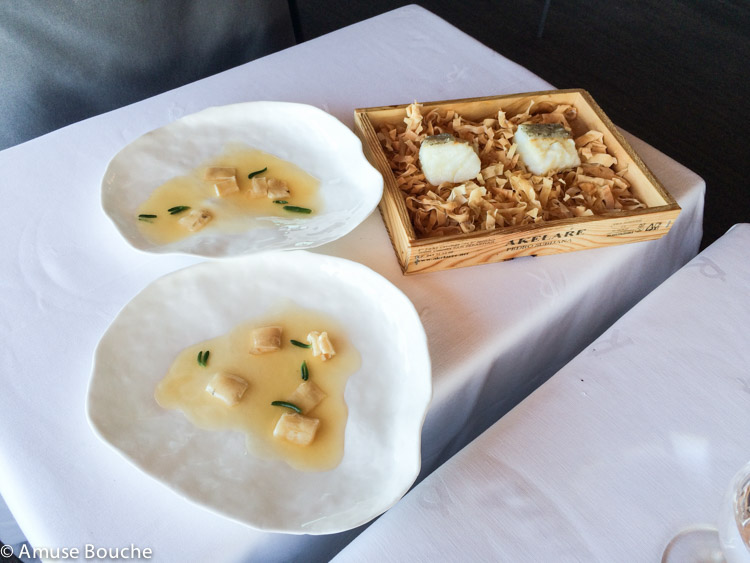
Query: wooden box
{"points": [[418, 255]]}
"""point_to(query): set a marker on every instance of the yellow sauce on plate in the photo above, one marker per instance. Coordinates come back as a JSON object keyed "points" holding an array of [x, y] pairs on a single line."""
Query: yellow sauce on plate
{"points": [[271, 377], [235, 212]]}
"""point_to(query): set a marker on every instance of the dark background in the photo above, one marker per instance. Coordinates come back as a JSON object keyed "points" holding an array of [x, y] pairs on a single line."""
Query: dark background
{"points": [[674, 73]]}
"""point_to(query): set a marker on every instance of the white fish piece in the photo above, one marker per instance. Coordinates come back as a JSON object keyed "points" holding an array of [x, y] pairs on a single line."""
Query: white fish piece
{"points": [[546, 147], [444, 158], [226, 186], [227, 387], [307, 396], [195, 220], [265, 339], [321, 345], [296, 428]]}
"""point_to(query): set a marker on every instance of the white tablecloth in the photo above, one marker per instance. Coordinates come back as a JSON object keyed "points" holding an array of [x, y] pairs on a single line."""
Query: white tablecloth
{"points": [[633, 441], [496, 331]]}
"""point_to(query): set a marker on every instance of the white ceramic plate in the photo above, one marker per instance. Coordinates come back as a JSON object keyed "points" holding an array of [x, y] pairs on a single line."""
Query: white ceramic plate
{"points": [[387, 398], [307, 136]]}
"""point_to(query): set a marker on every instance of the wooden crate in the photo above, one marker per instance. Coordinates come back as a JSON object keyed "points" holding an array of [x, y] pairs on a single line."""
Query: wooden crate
{"points": [[418, 255]]}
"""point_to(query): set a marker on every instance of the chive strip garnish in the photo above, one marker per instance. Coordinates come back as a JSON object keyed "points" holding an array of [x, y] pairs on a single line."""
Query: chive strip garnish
{"points": [[203, 357], [177, 209], [288, 405], [256, 172], [146, 216], [280, 201], [296, 209], [304, 371], [300, 344]]}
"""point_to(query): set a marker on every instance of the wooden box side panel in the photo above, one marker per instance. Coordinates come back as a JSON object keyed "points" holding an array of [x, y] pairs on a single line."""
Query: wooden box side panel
{"points": [[542, 239], [475, 108], [392, 205]]}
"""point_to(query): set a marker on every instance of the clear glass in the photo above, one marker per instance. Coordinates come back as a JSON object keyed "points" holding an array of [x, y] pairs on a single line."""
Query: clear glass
{"points": [[729, 542], [734, 520]]}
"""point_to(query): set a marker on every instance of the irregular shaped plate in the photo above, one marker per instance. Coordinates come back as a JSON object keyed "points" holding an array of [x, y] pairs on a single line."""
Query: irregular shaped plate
{"points": [[310, 138], [387, 398]]}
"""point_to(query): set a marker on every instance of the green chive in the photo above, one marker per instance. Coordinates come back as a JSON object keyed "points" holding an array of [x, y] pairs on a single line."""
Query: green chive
{"points": [[280, 201], [296, 209], [288, 405], [177, 209], [146, 216], [203, 357], [256, 172], [305, 372], [300, 344]]}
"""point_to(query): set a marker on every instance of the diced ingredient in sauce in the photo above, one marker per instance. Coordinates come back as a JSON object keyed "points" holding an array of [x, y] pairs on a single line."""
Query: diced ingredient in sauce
{"points": [[296, 428], [277, 189], [268, 187], [546, 147], [307, 396], [265, 339], [220, 173], [225, 187], [447, 159], [195, 220], [283, 416], [321, 345], [238, 190], [227, 387], [225, 180]]}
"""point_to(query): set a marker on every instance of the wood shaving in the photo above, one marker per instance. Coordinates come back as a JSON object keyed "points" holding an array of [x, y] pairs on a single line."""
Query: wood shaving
{"points": [[504, 193]]}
